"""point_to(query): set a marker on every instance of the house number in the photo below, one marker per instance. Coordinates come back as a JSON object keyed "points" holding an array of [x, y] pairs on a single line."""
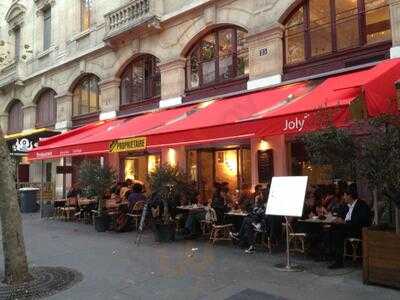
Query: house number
{"points": [[263, 51]]}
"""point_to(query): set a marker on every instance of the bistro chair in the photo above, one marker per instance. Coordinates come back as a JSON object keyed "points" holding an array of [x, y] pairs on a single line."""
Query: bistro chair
{"points": [[265, 240], [296, 239], [69, 210], [136, 213], [210, 220], [354, 245], [219, 232]]}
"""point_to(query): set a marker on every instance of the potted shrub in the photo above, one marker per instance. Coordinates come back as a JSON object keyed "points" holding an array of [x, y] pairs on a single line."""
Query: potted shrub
{"points": [[379, 163], [374, 156], [95, 180], [169, 186]]}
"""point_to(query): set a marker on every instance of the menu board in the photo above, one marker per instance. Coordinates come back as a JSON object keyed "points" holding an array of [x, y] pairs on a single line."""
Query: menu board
{"points": [[286, 196], [265, 166]]}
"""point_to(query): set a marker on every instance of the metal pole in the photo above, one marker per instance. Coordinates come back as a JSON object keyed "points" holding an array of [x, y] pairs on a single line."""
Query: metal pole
{"points": [[64, 191], [287, 244], [41, 190]]}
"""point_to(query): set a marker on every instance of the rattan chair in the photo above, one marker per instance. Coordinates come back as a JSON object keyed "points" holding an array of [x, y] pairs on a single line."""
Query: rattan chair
{"points": [[136, 213]]}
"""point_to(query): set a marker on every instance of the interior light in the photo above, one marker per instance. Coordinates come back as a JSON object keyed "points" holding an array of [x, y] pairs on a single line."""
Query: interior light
{"points": [[264, 145], [171, 157]]}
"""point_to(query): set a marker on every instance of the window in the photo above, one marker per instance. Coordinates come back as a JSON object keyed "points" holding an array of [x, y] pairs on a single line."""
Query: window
{"points": [[219, 56], [46, 28], [322, 27], [15, 117], [17, 43], [86, 14], [86, 96], [140, 80], [46, 110]]}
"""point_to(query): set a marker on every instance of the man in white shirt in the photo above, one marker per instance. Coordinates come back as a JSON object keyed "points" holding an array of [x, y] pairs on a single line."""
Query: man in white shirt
{"points": [[357, 217]]}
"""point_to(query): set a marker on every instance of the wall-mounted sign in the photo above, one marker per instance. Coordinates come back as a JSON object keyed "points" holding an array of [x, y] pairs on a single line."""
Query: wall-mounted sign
{"points": [[134, 144], [263, 51], [64, 169], [23, 145], [265, 165]]}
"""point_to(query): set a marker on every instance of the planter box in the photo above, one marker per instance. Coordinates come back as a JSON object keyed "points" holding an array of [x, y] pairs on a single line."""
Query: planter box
{"points": [[381, 257]]}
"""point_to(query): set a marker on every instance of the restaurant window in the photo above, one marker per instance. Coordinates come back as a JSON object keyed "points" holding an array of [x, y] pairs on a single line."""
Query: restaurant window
{"points": [[86, 14], [86, 96], [219, 56], [323, 27], [15, 117], [46, 29], [46, 110], [140, 80]]}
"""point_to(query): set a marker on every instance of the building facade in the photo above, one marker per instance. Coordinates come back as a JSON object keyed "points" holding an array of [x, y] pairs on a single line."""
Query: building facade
{"points": [[67, 63]]}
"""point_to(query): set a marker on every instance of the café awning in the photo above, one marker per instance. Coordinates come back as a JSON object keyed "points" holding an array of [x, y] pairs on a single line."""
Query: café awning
{"points": [[287, 109]]}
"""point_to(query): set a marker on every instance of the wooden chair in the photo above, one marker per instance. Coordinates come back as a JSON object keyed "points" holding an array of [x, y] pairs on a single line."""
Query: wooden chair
{"points": [[296, 240], [356, 245], [136, 212]]}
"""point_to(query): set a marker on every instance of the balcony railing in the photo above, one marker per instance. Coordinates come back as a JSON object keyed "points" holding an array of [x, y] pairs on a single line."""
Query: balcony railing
{"points": [[129, 16]]}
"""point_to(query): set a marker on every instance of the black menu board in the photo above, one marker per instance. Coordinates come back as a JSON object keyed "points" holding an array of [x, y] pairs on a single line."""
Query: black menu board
{"points": [[265, 165]]}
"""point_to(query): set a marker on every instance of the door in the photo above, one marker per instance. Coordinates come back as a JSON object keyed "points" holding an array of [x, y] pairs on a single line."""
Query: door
{"points": [[206, 173], [23, 173]]}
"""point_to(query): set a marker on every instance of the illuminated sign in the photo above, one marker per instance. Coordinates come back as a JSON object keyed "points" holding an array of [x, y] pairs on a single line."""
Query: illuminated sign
{"points": [[134, 144]]}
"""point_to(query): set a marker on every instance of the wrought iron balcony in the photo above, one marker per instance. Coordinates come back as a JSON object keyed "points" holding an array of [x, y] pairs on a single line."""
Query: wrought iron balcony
{"points": [[134, 15]]}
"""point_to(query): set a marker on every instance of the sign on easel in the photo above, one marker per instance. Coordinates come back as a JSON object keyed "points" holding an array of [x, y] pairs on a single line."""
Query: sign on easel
{"points": [[286, 196]]}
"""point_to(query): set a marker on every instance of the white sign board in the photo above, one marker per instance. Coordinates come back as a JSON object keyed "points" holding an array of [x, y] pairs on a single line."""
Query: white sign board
{"points": [[286, 196]]}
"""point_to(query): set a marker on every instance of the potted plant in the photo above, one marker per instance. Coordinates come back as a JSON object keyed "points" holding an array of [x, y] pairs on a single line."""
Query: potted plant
{"points": [[372, 155], [169, 186], [379, 163], [95, 180]]}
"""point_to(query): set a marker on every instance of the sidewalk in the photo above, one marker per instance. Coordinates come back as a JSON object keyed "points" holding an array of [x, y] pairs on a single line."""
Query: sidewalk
{"points": [[115, 268]]}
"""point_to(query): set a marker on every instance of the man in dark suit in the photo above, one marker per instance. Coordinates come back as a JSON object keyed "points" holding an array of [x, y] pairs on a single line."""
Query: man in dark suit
{"points": [[357, 217]]}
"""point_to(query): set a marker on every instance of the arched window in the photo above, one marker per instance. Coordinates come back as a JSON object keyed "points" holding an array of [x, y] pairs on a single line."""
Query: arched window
{"points": [[219, 56], [86, 96], [46, 110], [15, 117], [325, 27], [140, 80]]}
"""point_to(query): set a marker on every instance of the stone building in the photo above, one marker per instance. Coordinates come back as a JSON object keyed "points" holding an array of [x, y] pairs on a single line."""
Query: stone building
{"points": [[67, 63]]}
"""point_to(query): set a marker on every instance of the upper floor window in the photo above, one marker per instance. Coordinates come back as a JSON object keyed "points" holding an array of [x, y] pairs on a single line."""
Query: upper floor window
{"points": [[86, 96], [140, 80], [219, 56], [46, 28], [86, 14], [46, 109], [322, 27], [15, 117], [17, 43]]}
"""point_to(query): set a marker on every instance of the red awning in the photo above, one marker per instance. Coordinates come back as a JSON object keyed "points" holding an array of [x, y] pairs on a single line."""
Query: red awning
{"points": [[287, 109]]}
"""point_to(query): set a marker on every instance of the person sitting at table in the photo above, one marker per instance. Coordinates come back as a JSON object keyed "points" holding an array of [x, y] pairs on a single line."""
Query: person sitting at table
{"points": [[252, 223], [220, 202], [357, 217], [245, 201], [193, 221], [74, 191], [126, 187], [136, 195], [309, 206], [319, 210], [337, 207]]}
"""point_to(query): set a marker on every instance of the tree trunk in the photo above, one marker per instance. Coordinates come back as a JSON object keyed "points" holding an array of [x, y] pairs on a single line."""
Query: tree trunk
{"points": [[376, 213], [397, 214], [15, 261]]}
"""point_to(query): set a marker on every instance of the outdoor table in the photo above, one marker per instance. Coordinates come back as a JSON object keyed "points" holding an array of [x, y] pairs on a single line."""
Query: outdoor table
{"points": [[59, 202], [236, 218], [191, 208]]}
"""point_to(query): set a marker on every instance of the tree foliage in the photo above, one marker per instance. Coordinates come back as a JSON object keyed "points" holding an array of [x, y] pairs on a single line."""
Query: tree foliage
{"points": [[95, 180]]}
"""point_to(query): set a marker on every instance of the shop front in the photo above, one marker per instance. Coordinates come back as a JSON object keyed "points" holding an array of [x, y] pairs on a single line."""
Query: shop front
{"points": [[242, 140]]}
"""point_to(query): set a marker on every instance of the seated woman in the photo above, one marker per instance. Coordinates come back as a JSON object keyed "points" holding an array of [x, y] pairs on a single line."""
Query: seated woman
{"points": [[253, 223], [245, 201], [220, 202], [136, 195], [193, 221]]}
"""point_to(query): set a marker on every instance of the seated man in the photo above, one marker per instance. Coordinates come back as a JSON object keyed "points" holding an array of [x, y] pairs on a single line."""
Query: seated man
{"points": [[357, 217], [136, 195], [254, 222]]}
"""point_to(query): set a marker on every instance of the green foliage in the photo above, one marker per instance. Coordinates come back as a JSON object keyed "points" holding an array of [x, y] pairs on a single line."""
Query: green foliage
{"points": [[169, 184], [95, 180], [379, 160], [332, 146]]}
